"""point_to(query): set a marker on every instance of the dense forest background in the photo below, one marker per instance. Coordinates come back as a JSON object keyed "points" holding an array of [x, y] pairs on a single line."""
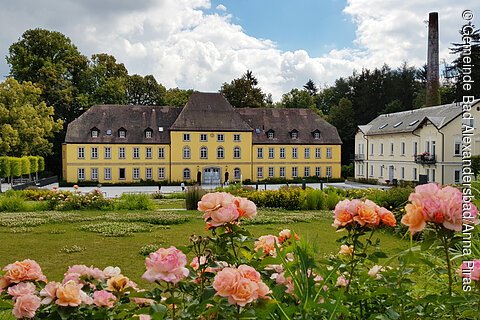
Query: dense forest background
{"points": [[70, 82]]}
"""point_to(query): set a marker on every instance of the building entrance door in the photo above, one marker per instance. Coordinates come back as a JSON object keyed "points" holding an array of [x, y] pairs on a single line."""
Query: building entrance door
{"points": [[211, 176]]}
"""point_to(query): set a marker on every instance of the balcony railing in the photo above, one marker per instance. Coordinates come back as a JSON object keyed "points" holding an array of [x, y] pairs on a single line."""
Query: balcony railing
{"points": [[425, 158], [359, 157]]}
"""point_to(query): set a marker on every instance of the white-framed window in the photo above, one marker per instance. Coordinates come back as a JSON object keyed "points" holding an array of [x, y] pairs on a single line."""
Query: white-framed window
{"points": [[203, 152], [282, 172], [316, 135], [433, 147], [318, 153], [122, 173], [148, 134], [270, 135], [371, 149], [381, 171], [220, 153], [457, 147], [318, 171], [220, 137], [94, 133], [328, 172], [260, 153], [236, 137], [457, 176], [360, 169], [271, 172], [136, 173], [186, 137], [414, 174], [294, 172], [329, 153], [371, 170], [81, 174], [186, 152], [381, 149], [260, 172], [237, 153], [391, 148], [186, 174], [107, 152], [294, 152], [415, 147], [271, 153], [81, 153], [203, 137], [136, 153], [107, 174], [94, 153], [307, 153], [121, 153], [94, 174], [402, 173], [470, 122], [237, 173], [294, 135], [122, 134], [148, 152], [161, 173], [282, 153], [402, 148], [148, 173], [306, 172], [161, 153]]}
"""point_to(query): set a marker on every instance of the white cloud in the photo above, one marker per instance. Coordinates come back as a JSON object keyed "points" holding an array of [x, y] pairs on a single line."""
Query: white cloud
{"points": [[182, 45]]}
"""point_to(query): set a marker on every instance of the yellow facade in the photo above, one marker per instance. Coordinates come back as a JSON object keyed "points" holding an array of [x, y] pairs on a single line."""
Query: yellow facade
{"points": [[118, 163]]}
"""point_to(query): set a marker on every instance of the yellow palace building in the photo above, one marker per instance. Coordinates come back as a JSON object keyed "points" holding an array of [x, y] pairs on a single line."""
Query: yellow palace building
{"points": [[207, 141]]}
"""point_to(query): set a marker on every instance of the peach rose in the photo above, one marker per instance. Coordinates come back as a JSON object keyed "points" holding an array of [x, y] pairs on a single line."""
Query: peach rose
{"points": [[224, 215], [267, 244], [145, 317], [26, 306], [244, 291], [451, 208], [367, 214], [82, 271], [118, 283], [414, 218], [26, 270], [69, 294], [341, 281], [195, 264], [104, 298], [49, 292], [248, 272], [346, 250], [470, 269], [374, 272], [167, 265], [387, 217], [110, 271], [246, 208], [4, 282], [213, 201], [225, 281], [21, 289]]}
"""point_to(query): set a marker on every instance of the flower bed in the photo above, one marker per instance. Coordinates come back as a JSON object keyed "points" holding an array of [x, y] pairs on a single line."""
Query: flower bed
{"points": [[235, 276]]}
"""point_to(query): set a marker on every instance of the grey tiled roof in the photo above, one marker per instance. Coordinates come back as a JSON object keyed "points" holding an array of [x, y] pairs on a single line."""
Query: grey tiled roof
{"points": [[409, 121], [284, 121], [134, 119]]}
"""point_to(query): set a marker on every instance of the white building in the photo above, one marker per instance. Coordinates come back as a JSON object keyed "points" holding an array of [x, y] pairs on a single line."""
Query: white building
{"points": [[424, 143]]}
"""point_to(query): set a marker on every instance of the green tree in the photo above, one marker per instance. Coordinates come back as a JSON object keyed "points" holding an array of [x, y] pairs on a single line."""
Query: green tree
{"points": [[243, 92], [41, 164], [342, 116], [4, 169], [311, 87], [25, 165], [145, 91], [298, 99], [15, 166], [33, 166], [177, 97], [26, 122]]}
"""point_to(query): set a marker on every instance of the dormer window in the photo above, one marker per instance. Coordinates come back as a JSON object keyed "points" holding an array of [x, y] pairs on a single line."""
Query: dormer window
{"points": [[94, 132], [148, 133], [122, 133], [316, 134], [294, 134], [270, 134]]}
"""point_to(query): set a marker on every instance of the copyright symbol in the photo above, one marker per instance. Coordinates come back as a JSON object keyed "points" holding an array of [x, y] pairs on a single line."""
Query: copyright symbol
{"points": [[467, 15]]}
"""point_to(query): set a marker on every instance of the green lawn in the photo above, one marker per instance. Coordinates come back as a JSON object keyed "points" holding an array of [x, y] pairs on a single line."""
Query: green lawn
{"points": [[59, 239]]}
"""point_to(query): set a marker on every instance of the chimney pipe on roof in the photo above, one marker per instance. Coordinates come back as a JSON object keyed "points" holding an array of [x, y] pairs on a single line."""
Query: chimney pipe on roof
{"points": [[433, 77]]}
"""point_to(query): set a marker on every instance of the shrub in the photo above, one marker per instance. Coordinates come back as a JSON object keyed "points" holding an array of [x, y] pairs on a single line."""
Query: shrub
{"points": [[67, 200], [35, 194], [314, 200], [290, 198], [135, 201], [192, 196], [13, 202]]}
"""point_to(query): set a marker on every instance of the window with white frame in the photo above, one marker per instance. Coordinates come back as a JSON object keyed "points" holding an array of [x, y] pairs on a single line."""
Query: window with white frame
{"points": [[148, 152], [402, 173], [271, 153], [94, 174], [329, 153], [306, 153], [457, 176], [328, 172], [391, 148], [402, 148], [186, 137], [271, 172], [107, 153], [237, 173], [236, 137], [282, 153], [381, 171], [381, 149], [316, 135], [94, 133], [161, 173], [414, 174], [203, 137], [457, 149], [318, 171], [220, 137], [236, 153], [94, 153], [260, 172], [148, 134], [415, 147], [306, 172], [107, 174], [122, 133], [161, 153], [294, 172], [148, 173], [260, 153], [294, 135], [81, 174], [271, 135], [220, 153], [371, 149], [282, 172], [371, 171], [136, 173], [203, 153], [318, 153], [81, 153], [294, 152], [186, 152], [186, 174], [121, 152], [136, 153]]}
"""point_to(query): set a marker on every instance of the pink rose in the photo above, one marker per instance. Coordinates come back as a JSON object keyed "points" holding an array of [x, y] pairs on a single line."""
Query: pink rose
{"points": [[288, 282], [470, 269], [249, 273], [21, 289], [267, 244], [225, 281], [246, 208], [213, 201], [224, 215], [69, 294], [26, 270], [245, 291], [84, 271], [451, 208], [341, 281], [195, 264], [111, 271], [104, 298], [345, 211], [49, 292], [167, 265], [26, 306], [145, 317]]}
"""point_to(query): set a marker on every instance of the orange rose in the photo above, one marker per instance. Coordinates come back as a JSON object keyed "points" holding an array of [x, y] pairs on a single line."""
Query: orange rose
{"points": [[367, 214], [414, 218], [117, 283], [69, 294], [387, 217]]}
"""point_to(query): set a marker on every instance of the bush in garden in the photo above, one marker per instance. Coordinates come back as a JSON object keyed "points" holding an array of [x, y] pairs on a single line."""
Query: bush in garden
{"points": [[314, 200], [15, 166], [35, 194], [135, 201], [192, 196], [67, 200], [12, 202], [25, 165]]}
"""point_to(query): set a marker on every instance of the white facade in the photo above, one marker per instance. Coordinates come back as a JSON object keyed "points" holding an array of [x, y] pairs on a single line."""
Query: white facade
{"points": [[427, 141]]}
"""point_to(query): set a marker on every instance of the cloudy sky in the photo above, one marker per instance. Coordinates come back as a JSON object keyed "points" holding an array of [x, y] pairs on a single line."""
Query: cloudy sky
{"points": [[200, 44]]}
